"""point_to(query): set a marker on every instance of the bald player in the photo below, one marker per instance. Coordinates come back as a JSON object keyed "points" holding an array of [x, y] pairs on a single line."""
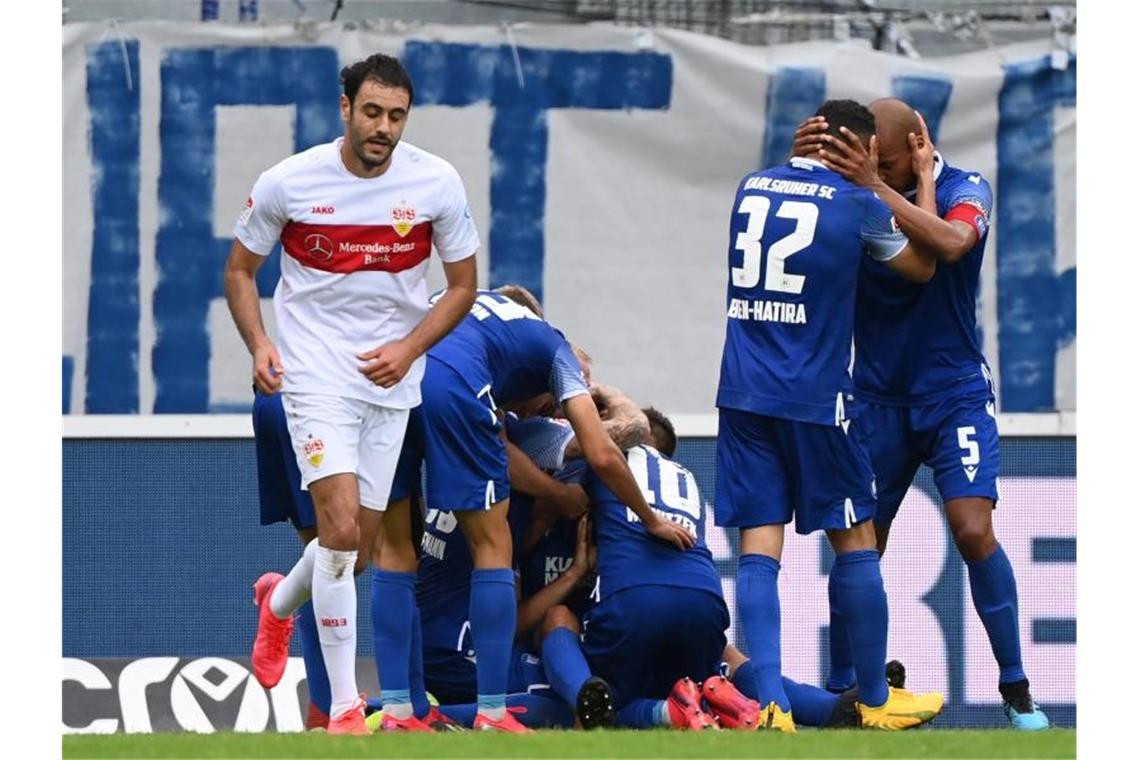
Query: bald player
{"points": [[929, 389]]}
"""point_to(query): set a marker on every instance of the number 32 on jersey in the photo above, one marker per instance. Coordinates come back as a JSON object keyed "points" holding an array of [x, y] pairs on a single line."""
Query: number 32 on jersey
{"points": [[776, 279]]}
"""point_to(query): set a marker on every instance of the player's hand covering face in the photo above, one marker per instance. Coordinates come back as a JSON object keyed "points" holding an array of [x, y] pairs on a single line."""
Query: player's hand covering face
{"points": [[921, 149], [850, 158]]}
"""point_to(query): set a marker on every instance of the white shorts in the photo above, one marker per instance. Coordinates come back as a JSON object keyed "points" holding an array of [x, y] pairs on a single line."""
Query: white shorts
{"points": [[333, 435]]}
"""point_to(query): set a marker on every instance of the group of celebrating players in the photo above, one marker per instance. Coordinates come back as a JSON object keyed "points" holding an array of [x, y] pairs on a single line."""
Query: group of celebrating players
{"points": [[578, 590]]}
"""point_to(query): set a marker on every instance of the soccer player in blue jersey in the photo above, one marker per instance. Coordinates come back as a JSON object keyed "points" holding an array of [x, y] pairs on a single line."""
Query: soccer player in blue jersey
{"points": [[501, 354], [787, 443], [662, 702], [929, 388], [282, 498]]}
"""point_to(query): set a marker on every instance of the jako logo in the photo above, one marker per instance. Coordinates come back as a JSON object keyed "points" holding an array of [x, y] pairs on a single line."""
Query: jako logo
{"points": [[323, 210]]}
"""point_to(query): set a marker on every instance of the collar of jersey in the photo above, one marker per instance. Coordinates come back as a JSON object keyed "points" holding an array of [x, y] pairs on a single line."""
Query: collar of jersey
{"points": [[800, 162], [939, 164]]}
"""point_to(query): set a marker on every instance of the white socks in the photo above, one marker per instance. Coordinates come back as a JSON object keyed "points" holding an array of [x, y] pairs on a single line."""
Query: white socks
{"points": [[297, 587], [334, 604]]}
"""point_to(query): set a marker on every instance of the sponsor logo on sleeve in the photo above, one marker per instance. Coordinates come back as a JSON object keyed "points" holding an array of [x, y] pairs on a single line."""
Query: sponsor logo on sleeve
{"points": [[247, 211]]}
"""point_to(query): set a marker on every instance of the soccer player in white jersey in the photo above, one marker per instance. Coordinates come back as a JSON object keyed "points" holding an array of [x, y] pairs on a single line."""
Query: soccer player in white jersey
{"points": [[357, 219]]}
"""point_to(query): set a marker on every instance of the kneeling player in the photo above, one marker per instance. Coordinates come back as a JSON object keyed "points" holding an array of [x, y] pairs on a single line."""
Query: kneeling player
{"points": [[502, 353], [650, 600]]}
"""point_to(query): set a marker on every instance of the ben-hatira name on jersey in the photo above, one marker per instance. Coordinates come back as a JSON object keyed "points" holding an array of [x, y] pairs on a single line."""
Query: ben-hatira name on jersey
{"points": [[767, 311]]}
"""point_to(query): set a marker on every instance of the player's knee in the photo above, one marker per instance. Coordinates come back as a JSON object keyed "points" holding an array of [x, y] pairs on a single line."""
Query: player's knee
{"points": [[397, 557], [974, 537], [559, 616], [340, 532]]}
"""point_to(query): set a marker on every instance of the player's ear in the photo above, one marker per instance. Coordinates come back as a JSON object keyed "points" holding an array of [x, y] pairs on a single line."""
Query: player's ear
{"points": [[345, 108]]}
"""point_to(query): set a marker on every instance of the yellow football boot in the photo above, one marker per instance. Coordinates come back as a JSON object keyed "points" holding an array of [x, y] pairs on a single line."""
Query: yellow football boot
{"points": [[902, 710], [775, 719]]}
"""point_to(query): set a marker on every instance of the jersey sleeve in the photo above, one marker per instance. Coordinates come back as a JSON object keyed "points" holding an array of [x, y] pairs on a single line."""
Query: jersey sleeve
{"points": [[880, 232], [260, 222], [542, 439], [453, 231], [566, 378], [970, 200]]}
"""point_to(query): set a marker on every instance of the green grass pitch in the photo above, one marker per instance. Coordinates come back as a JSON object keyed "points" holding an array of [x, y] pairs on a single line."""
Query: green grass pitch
{"points": [[1056, 743]]}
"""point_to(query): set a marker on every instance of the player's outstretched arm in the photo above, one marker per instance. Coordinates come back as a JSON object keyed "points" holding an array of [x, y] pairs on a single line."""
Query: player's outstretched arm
{"points": [[608, 461], [388, 364], [532, 609], [947, 240], [245, 307], [624, 422], [568, 498]]}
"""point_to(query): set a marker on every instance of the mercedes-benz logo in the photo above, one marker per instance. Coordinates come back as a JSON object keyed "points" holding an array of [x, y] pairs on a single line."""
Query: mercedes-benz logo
{"points": [[319, 247]]}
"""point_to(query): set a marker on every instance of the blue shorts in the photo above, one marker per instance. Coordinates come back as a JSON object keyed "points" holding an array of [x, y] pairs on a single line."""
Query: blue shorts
{"points": [[642, 639], [278, 477], [769, 470], [456, 433], [451, 679], [956, 437]]}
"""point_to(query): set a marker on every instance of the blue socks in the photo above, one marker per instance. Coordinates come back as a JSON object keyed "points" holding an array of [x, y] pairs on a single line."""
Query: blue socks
{"points": [[420, 705], [493, 616], [841, 674], [758, 602], [862, 601], [316, 677], [393, 605], [564, 663], [643, 713], [995, 598], [811, 705]]}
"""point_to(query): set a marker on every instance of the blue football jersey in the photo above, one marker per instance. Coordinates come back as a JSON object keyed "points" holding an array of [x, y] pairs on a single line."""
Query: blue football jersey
{"points": [[915, 342], [544, 440], [627, 554], [505, 348], [797, 237]]}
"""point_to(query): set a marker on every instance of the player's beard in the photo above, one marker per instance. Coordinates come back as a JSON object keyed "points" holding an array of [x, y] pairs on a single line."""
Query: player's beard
{"points": [[360, 146]]}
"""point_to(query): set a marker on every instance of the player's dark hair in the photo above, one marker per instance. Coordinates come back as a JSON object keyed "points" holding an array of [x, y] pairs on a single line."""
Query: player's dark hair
{"points": [[850, 114], [661, 430], [378, 67]]}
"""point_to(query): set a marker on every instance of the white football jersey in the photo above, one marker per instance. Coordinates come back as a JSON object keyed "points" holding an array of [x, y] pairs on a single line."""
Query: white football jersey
{"points": [[355, 255]]}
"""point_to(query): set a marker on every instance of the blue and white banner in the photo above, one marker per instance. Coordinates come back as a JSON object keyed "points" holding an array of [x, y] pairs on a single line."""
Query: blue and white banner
{"points": [[600, 163]]}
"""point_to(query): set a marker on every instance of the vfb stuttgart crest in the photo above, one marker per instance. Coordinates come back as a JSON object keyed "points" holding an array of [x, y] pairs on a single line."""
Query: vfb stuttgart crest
{"points": [[403, 219], [315, 451]]}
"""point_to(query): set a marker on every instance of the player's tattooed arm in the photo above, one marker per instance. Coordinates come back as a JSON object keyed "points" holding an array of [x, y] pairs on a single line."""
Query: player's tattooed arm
{"points": [[622, 418], [927, 232], [609, 464]]}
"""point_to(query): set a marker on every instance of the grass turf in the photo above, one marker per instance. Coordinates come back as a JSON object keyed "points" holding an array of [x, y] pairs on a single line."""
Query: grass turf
{"points": [[1056, 743]]}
